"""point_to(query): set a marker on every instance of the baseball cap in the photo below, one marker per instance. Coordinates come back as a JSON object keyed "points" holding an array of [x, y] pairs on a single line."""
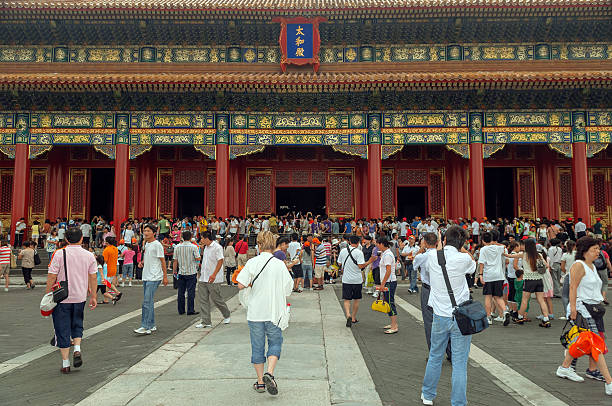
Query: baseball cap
{"points": [[121, 242], [316, 241], [47, 304], [335, 241]]}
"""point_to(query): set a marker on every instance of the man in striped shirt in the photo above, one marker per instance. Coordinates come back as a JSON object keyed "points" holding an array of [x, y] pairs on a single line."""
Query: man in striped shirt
{"points": [[185, 263], [5, 263], [320, 263]]}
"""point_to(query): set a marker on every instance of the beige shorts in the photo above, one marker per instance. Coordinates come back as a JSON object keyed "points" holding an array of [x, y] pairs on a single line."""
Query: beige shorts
{"points": [[319, 271], [5, 269]]}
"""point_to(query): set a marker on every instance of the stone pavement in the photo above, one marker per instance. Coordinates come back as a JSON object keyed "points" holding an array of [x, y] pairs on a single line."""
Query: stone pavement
{"points": [[320, 364]]}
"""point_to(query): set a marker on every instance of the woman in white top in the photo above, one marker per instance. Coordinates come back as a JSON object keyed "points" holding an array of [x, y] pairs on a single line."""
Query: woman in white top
{"points": [[229, 260], [270, 285], [585, 290], [388, 281]]}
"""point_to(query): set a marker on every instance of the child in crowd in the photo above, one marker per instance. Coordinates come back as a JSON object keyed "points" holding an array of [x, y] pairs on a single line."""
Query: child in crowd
{"points": [[101, 278], [518, 289], [128, 264]]}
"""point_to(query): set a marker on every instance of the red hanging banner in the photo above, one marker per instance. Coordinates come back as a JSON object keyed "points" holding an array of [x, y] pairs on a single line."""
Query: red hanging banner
{"points": [[300, 41]]}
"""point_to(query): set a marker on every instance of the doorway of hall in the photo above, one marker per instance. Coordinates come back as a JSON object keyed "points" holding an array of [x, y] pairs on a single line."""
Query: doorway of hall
{"points": [[301, 200], [411, 202], [499, 192], [101, 192], [189, 201]]}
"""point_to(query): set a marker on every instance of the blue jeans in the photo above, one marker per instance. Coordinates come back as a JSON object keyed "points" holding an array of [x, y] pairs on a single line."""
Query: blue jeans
{"points": [[148, 309], [259, 331], [390, 297], [441, 329], [412, 274], [307, 271], [186, 283], [128, 271]]}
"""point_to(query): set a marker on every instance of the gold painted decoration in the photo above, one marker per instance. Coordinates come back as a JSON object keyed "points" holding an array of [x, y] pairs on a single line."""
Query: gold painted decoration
{"points": [[208, 150], [490, 149], [241, 150], [357, 150], [37, 150], [463, 150], [137, 150], [564, 149], [594, 149], [388, 150]]}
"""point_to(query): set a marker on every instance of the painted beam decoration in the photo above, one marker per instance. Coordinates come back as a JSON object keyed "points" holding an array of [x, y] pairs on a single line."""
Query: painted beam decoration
{"points": [[300, 41], [599, 127], [172, 129], [401, 128], [298, 129], [527, 127]]}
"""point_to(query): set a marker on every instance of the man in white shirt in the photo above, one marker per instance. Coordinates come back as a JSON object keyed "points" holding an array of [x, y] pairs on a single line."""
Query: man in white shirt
{"points": [[555, 253], [475, 230], [403, 228], [153, 272], [210, 280], [491, 265], [429, 243], [408, 252], [265, 224], [580, 229], [459, 263], [352, 262], [86, 230], [294, 249]]}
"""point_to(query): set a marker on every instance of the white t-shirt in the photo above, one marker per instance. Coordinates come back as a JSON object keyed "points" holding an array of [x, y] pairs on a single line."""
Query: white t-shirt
{"points": [[387, 258], [492, 258], [128, 235], [475, 228], [458, 264], [555, 254], [352, 273], [268, 297], [580, 226], [86, 229], [569, 258], [212, 254], [510, 271], [293, 250], [61, 232], [403, 228], [153, 255], [410, 250]]}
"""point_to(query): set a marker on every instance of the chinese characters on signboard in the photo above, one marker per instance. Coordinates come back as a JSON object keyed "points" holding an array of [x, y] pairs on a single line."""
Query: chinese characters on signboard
{"points": [[300, 41]]}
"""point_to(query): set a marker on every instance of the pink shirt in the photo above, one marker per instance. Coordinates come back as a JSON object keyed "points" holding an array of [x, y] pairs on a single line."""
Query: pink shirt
{"points": [[128, 257], [81, 263]]}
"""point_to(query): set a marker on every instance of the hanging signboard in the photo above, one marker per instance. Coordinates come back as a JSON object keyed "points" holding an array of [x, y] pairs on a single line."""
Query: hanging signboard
{"points": [[300, 41]]}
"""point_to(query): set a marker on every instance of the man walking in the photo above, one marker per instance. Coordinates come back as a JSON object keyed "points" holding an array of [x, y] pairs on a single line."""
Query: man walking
{"points": [[80, 271], [408, 253], [491, 265], [154, 271], [444, 326], [554, 257], [352, 262], [209, 287], [185, 265]]}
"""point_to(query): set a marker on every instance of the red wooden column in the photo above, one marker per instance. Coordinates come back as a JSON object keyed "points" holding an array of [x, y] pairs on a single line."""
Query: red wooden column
{"points": [[580, 182], [374, 191], [476, 167], [122, 185], [21, 186], [222, 181]]}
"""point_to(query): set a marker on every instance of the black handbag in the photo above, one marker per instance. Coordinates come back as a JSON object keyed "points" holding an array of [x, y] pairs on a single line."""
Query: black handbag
{"points": [[36, 258], [471, 315], [61, 293]]}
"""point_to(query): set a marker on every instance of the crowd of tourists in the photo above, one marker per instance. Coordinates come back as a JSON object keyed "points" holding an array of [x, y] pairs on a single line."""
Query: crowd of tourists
{"points": [[511, 260]]}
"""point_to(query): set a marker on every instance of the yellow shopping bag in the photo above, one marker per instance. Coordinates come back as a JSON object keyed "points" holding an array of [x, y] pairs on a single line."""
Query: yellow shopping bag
{"points": [[381, 306]]}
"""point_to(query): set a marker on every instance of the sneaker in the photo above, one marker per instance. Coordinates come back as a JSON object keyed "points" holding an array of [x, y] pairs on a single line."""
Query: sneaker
{"points": [[200, 325], [130, 284], [300, 289], [569, 373], [499, 319], [506, 319], [142, 331], [425, 401], [562, 318], [6, 289], [153, 329], [596, 375], [123, 284], [490, 321], [540, 317], [545, 324], [609, 389], [495, 315], [226, 321]]}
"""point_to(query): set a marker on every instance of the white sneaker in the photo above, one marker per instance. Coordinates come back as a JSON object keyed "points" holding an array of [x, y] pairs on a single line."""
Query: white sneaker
{"points": [[300, 289], [490, 321], [142, 331], [569, 373], [609, 389], [499, 319], [154, 328], [200, 325], [6, 289], [540, 317], [562, 318], [123, 284], [310, 289], [226, 321], [425, 401]]}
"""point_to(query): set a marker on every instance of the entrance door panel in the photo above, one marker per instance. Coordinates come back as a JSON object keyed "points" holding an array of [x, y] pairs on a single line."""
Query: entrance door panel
{"points": [[77, 195], [599, 183], [165, 192], [38, 194], [259, 191], [388, 193], [525, 184], [341, 193], [6, 196]]}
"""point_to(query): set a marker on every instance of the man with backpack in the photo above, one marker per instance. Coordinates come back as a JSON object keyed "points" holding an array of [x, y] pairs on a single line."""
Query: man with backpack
{"points": [[352, 262]]}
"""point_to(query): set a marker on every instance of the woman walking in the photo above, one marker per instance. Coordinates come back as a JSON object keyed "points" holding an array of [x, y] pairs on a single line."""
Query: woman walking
{"points": [[270, 284], [388, 281], [26, 255], [229, 260], [585, 300]]}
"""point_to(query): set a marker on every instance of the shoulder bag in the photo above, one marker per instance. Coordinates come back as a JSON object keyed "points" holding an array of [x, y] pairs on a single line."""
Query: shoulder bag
{"points": [[60, 293], [471, 315], [244, 295], [36, 258], [541, 265]]}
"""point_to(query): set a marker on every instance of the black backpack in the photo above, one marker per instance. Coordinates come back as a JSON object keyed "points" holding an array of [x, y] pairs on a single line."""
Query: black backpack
{"points": [[600, 263]]}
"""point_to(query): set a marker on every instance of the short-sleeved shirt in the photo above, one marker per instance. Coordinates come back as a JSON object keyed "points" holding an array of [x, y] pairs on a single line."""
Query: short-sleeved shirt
{"points": [[128, 257], [280, 255], [387, 258], [351, 272], [320, 255], [80, 263], [491, 256], [293, 250], [153, 255], [5, 255], [212, 254], [111, 255], [187, 255]]}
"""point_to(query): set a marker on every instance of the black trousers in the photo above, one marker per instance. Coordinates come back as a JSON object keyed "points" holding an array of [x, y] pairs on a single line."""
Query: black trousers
{"points": [[186, 283], [229, 271], [27, 274]]}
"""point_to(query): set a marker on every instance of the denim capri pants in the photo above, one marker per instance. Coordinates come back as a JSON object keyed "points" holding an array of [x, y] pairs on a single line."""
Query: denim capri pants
{"points": [[259, 331], [128, 270]]}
